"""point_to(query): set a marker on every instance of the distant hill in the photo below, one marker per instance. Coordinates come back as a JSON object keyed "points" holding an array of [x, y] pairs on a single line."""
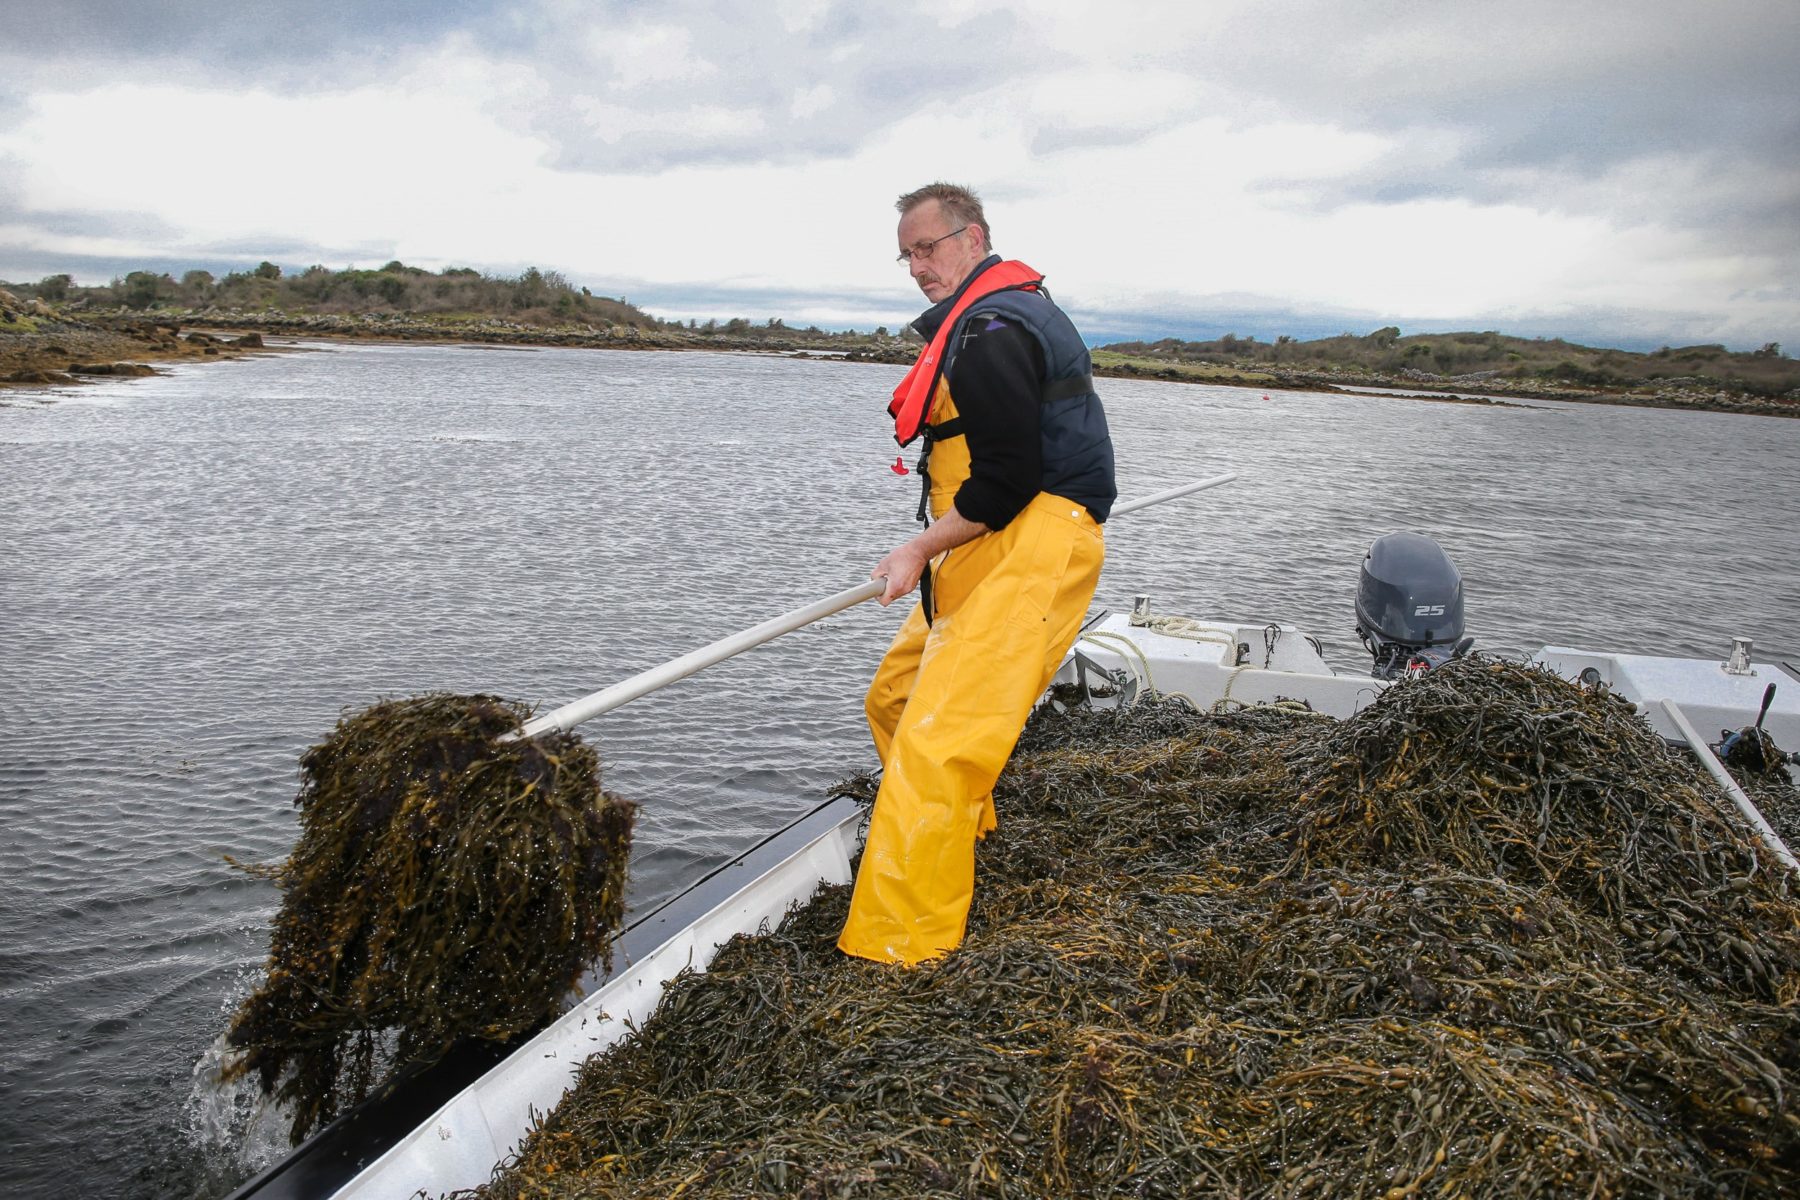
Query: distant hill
{"points": [[55, 329], [533, 297], [399, 301], [1478, 361]]}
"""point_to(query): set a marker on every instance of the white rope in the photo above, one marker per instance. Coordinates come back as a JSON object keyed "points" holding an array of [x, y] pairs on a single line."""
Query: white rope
{"points": [[1188, 629], [1125, 648], [1225, 701]]}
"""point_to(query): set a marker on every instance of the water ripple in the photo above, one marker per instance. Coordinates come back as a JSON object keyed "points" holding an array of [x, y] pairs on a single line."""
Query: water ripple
{"points": [[205, 569]]}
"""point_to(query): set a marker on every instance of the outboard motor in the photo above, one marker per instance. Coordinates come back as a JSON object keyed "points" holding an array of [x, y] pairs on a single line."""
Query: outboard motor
{"points": [[1409, 605]]}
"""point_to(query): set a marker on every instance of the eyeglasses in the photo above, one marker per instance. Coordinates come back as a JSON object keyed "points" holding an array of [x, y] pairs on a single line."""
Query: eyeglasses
{"points": [[923, 250]]}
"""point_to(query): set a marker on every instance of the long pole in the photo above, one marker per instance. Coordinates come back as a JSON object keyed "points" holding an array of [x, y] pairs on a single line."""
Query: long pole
{"points": [[625, 691], [1199, 485]]}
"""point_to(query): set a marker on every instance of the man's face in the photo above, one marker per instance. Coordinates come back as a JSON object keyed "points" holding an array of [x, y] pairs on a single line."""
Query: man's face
{"points": [[952, 259]]}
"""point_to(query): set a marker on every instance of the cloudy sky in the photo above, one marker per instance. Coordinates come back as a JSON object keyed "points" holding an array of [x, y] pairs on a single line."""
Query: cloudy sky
{"points": [[1617, 171]]}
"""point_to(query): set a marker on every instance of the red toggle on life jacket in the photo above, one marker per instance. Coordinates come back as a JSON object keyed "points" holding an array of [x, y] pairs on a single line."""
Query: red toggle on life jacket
{"points": [[911, 406]]}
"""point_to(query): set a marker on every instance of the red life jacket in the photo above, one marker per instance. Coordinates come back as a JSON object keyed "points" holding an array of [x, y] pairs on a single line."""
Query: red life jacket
{"points": [[911, 406]]}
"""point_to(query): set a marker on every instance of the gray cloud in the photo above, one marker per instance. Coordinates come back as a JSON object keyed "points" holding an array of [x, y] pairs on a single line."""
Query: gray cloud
{"points": [[1532, 82], [1059, 138], [1536, 83], [876, 63], [294, 251], [1537, 102], [868, 66], [234, 37], [177, 250], [1658, 113], [25, 263], [91, 223]]}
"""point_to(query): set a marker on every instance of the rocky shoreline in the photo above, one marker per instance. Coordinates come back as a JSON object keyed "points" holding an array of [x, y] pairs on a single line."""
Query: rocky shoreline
{"points": [[40, 346], [401, 327], [1460, 389]]}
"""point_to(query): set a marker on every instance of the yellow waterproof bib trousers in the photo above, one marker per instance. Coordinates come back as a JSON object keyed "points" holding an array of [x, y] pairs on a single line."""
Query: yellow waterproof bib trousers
{"points": [[948, 703]]}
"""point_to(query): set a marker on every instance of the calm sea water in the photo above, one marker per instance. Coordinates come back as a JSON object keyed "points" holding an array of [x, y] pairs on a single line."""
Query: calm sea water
{"points": [[199, 572]]}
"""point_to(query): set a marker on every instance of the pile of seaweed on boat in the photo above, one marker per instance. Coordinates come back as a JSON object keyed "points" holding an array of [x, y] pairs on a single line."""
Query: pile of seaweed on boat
{"points": [[1490, 937], [446, 884]]}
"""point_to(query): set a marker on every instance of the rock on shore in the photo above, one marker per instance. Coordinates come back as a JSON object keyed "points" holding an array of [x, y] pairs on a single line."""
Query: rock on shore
{"points": [[41, 347]]}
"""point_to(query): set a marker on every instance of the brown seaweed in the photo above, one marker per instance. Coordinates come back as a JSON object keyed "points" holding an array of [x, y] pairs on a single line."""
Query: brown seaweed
{"points": [[445, 885], [1490, 937]]}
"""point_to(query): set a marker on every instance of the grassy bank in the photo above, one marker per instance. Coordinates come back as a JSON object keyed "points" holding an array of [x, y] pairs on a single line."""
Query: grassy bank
{"points": [[1491, 364]]}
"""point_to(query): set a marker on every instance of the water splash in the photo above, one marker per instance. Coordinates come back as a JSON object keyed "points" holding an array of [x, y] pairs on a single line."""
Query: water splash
{"points": [[229, 1124]]}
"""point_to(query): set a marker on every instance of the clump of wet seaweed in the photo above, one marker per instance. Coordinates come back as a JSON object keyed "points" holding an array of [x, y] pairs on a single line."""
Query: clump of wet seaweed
{"points": [[1490, 937], [445, 885]]}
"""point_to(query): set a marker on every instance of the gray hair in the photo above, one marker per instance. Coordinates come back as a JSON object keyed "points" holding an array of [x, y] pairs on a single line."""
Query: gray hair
{"points": [[960, 204]]}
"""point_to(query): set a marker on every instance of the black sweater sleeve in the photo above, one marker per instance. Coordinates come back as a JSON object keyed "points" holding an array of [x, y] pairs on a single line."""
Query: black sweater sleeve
{"points": [[997, 381]]}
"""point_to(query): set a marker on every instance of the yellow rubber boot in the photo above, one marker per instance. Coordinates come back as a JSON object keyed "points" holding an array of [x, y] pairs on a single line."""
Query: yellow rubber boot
{"points": [[1009, 605]]}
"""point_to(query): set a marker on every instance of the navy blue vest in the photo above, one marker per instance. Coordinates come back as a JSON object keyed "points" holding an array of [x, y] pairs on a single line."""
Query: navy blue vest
{"points": [[1077, 449]]}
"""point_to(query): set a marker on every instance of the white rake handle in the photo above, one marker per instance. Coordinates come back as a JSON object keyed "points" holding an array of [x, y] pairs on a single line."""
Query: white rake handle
{"points": [[642, 684]]}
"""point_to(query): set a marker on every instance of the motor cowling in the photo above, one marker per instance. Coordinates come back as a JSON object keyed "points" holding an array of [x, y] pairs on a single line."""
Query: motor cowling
{"points": [[1409, 605]]}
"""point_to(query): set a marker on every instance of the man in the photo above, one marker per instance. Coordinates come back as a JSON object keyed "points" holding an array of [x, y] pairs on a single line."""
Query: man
{"points": [[1018, 477]]}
